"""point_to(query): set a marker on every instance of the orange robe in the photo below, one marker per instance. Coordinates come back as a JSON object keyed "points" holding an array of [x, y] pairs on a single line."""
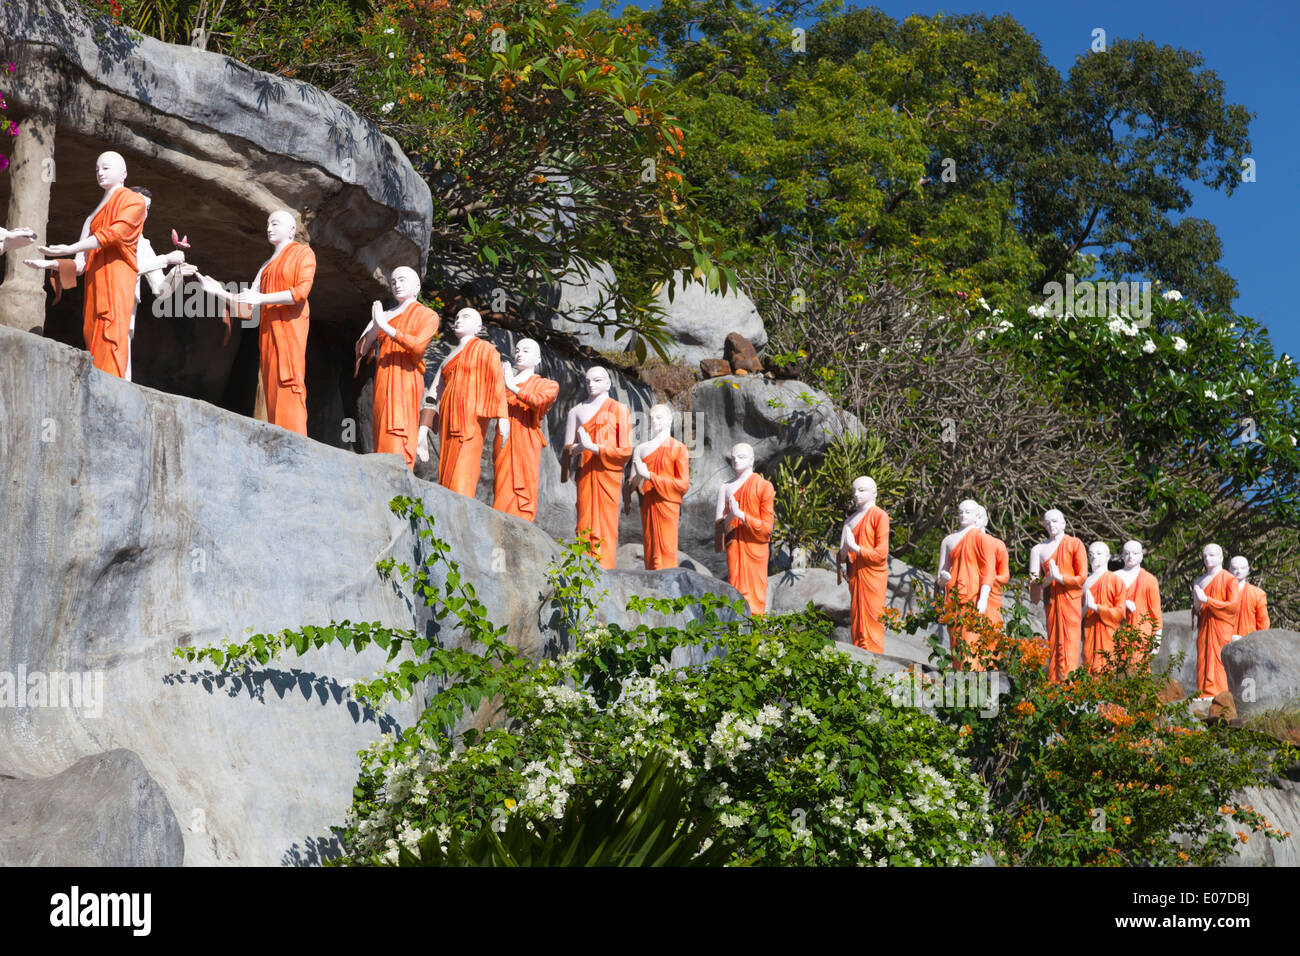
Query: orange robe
{"points": [[282, 335], [1145, 594], [1253, 615], [473, 393], [661, 502], [1001, 578], [111, 279], [399, 380], [1064, 606], [600, 479], [868, 579], [747, 541], [1218, 622], [1099, 626], [516, 464], [970, 563]]}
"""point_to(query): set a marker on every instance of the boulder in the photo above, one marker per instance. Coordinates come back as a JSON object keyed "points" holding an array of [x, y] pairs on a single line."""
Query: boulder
{"points": [[714, 368], [631, 557], [698, 321], [1179, 637], [104, 810], [742, 355], [133, 522], [1264, 671], [583, 299]]}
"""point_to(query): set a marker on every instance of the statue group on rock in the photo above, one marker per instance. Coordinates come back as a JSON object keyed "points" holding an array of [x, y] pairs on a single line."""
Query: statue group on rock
{"points": [[1084, 602]]}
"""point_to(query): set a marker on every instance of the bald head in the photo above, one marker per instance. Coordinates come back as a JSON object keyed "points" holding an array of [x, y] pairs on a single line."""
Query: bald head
{"points": [[110, 170], [404, 283], [1212, 555], [742, 456], [864, 491], [281, 227]]}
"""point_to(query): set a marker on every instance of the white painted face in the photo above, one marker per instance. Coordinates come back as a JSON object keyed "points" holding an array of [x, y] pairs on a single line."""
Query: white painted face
{"points": [[864, 491], [280, 227], [597, 382], [528, 354], [742, 457], [1212, 555], [110, 170], [967, 513], [1098, 555], [1132, 555], [1239, 567], [661, 419], [982, 518], [404, 283], [468, 322], [1054, 522]]}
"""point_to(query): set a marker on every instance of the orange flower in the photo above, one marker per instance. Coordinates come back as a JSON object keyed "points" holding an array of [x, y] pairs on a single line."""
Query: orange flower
{"points": [[475, 15], [1024, 709]]}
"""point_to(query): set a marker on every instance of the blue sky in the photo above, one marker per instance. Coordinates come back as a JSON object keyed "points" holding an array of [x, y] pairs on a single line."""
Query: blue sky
{"points": [[1253, 48]]}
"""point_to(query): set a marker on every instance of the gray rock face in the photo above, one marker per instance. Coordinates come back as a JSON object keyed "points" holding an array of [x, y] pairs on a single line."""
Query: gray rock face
{"points": [[133, 522], [699, 321], [1264, 671], [1179, 637], [585, 295], [104, 810], [1280, 803]]}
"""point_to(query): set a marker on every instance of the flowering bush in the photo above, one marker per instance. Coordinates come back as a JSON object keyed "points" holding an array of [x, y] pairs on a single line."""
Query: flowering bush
{"points": [[794, 748], [1098, 769]]}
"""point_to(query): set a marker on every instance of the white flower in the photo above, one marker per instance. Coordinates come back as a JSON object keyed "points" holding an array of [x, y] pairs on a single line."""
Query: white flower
{"points": [[390, 31], [1180, 344], [387, 107], [392, 56], [1292, 437], [1038, 311], [1173, 295], [979, 336], [1211, 393], [1148, 346], [1037, 336], [1250, 391], [983, 305]]}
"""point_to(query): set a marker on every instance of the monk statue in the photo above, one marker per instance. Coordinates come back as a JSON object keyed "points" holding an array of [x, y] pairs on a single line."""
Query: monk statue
{"points": [[397, 339], [1001, 569], [11, 239], [106, 255], [517, 460], [743, 525], [966, 573], [1253, 614], [1103, 609], [1057, 570], [278, 300], [154, 269], [864, 558], [660, 473], [1141, 596], [598, 431], [1216, 599], [467, 395]]}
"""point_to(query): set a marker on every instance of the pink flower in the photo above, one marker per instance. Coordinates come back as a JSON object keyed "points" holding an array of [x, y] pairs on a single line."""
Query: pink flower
{"points": [[10, 67], [4, 162]]}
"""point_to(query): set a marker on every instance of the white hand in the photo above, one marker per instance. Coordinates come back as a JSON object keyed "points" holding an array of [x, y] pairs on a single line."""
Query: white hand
{"points": [[422, 444], [1131, 606]]}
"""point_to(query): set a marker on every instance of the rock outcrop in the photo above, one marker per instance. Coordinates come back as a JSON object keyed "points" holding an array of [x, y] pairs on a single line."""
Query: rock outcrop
{"points": [[220, 145], [133, 522], [1263, 671], [698, 321], [104, 810]]}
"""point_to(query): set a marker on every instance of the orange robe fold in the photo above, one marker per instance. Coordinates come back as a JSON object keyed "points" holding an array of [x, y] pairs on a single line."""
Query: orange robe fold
{"points": [[600, 479], [1253, 615], [1001, 577], [517, 463], [1145, 595], [1064, 606], [473, 394], [971, 564], [747, 541], [282, 336], [1217, 623], [111, 279], [399, 380], [1099, 626], [661, 502], [868, 580]]}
